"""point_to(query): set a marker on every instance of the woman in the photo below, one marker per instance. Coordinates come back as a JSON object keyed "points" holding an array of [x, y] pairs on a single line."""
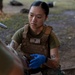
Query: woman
{"points": [[38, 41]]}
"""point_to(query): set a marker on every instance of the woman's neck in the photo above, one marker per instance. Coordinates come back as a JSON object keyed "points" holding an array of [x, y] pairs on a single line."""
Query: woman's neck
{"points": [[38, 30]]}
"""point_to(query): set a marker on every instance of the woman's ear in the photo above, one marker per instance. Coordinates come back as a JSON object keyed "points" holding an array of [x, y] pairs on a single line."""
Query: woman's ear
{"points": [[46, 18]]}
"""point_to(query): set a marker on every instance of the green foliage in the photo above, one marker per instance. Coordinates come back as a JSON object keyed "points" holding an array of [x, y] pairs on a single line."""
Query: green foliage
{"points": [[18, 20], [14, 21]]}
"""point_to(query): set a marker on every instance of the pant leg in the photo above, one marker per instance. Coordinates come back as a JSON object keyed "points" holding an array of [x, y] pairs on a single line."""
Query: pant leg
{"points": [[52, 72], [39, 73]]}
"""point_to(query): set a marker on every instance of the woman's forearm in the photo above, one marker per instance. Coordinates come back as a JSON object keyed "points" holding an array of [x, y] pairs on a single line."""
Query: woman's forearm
{"points": [[52, 63]]}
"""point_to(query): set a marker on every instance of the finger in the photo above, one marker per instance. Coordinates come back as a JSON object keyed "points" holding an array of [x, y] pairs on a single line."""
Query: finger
{"points": [[33, 55], [33, 60], [32, 66]]}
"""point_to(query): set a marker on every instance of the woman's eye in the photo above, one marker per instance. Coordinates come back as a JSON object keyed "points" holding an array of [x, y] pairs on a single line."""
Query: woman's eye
{"points": [[31, 15], [39, 17]]}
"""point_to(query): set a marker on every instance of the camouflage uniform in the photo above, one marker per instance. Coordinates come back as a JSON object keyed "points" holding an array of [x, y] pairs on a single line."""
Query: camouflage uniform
{"points": [[31, 43]]}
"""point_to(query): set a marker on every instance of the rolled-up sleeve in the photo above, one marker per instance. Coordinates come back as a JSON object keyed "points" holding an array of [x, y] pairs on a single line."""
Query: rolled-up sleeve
{"points": [[54, 42], [18, 36]]}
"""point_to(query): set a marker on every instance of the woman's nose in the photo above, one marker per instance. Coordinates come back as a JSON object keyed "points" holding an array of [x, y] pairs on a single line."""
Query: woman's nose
{"points": [[34, 19]]}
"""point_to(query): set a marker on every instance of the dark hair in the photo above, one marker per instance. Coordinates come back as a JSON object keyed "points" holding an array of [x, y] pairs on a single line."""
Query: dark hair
{"points": [[42, 4]]}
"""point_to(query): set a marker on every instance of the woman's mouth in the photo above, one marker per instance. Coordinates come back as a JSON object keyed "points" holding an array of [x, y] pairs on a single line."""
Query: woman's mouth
{"points": [[33, 23]]}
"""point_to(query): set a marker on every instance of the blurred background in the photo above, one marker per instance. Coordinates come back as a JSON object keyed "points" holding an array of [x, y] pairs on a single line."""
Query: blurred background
{"points": [[61, 18]]}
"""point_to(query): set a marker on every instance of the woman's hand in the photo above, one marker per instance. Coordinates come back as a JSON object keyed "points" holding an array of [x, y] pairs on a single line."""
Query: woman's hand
{"points": [[37, 61]]}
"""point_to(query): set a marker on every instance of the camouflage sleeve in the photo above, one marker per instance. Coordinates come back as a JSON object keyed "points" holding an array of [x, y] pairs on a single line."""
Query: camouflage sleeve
{"points": [[54, 42], [18, 35]]}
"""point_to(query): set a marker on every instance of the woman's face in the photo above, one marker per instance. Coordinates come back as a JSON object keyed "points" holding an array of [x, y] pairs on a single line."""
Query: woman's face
{"points": [[36, 17]]}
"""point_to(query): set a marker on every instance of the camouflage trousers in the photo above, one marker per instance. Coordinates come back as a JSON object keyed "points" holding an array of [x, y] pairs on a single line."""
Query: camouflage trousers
{"points": [[52, 72], [48, 72]]}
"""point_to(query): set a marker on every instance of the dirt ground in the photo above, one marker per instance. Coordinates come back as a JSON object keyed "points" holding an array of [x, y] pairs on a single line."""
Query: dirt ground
{"points": [[65, 30]]}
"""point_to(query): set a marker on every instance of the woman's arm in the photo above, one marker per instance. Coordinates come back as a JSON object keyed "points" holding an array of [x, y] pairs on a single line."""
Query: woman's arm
{"points": [[17, 66], [16, 39], [53, 62], [13, 44]]}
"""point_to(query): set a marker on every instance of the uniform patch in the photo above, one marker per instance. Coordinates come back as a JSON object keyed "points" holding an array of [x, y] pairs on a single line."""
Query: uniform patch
{"points": [[35, 40]]}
